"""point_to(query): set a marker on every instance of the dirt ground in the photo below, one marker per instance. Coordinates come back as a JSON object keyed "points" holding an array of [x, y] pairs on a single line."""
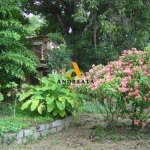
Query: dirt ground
{"points": [[80, 137]]}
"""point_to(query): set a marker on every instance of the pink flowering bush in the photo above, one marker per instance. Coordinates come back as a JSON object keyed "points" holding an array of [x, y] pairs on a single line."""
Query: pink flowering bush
{"points": [[123, 86]]}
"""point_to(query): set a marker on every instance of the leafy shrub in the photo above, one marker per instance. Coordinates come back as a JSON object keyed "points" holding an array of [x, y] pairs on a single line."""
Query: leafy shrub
{"points": [[58, 58], [51, 96], [1, 97], [123, 86]]}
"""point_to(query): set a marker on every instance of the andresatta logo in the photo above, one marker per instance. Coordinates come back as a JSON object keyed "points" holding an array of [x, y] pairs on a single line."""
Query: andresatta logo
{"points": [[79, 81], [77, 71]]}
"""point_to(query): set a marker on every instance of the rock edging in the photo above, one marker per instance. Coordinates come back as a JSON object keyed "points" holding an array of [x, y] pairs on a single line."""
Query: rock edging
{"points": [[33, 133]]}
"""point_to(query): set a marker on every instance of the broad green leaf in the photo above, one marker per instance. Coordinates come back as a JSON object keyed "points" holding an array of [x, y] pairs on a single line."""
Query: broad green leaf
{"points": [[45, 80], [63, 90], [62, 99], [22, 96], [37, 97], [49, 100], [72, 95], [71, 102], [1, 97], [26, 104], [60, 105], [53, 87], [40, 108], [62, 113], [56, 77], [34, 104], [37, 88], [50, 87], [45, 88], [38, 92], [50, 107], [50, 75], [55, 112]]}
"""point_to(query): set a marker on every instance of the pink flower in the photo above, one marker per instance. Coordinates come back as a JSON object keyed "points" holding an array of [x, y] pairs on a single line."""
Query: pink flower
{"points": [[129, 52], [93, 65], [136, 122], [136, 93], [134, 49], [91, 71], [123, 89], [121, 57], [130, 94], [140, 62], [144, 98], [143, 124], [128, 71], [136, 86], [137, 97], [144, 68]]}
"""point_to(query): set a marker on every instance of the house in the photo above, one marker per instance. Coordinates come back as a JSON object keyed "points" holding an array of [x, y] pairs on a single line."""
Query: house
{"points": [[40, 46]]}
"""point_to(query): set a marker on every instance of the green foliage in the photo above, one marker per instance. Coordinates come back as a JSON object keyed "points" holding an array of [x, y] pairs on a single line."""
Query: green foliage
{"points": [[1, 97], [147, 49], [57, 38], [58, 58], [36, 22], [81, 15], [15, 59], [13, 92], [53, 97], [22, 120], [93, 107], [121, 134], [9, 124], [101, 29]]}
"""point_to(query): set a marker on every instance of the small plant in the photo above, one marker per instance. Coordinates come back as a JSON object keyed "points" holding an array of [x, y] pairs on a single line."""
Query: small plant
{"points": [[52, 97], [13, 91], [93, 107]]}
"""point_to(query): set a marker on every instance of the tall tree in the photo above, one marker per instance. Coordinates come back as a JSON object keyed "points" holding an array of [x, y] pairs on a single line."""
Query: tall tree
{"points": [[101, 29], [15, 58], [36, 22]]}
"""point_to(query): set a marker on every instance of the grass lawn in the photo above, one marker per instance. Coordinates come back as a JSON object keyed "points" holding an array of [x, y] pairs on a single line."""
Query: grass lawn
{"points": [[22, 120]]}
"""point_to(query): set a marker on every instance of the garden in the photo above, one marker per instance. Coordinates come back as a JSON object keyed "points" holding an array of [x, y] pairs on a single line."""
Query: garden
{"points": [[94, 94], [114, 107]]}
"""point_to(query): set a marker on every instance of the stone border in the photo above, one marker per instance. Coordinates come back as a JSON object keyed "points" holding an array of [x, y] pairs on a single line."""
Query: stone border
{"points": [[25, 135]]}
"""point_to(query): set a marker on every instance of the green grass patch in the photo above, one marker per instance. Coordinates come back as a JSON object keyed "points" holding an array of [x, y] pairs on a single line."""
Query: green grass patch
{"points": [[93, 107], [22, 120], [9, 124], [101, 134]]}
